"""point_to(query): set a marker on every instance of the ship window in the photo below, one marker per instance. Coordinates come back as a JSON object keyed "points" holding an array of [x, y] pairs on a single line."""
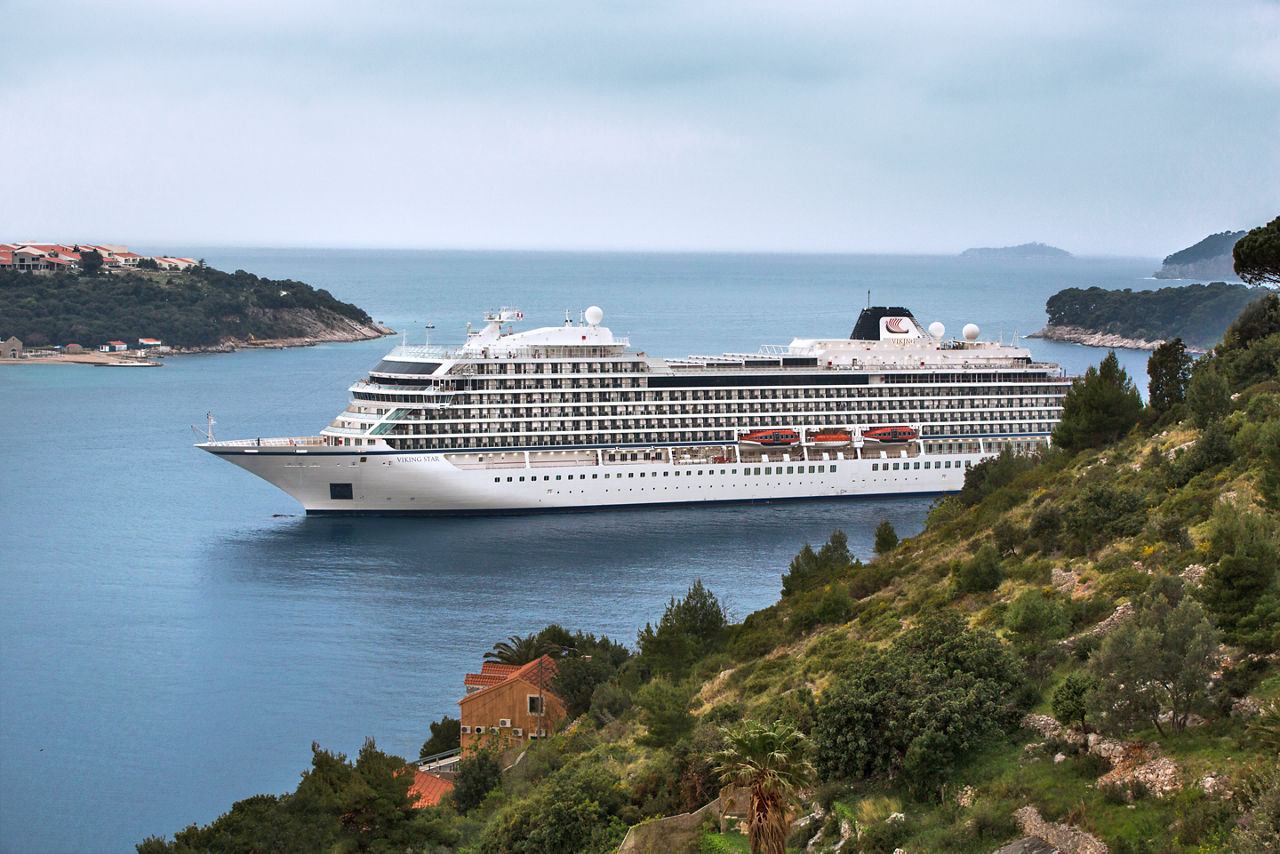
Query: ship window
{"points": [[735, 471], [926, 464], [631, 474], [546, 477], [833, 468], [699, 472], [340, 492], [821, 469], [875, 467], [497, 479], [757, 470], [522, 480], [917, 465], [557, 477], [768, 470], [895, 466], [594, 476], [948, 464], [811, 469], [791, 469], [666, 474]]}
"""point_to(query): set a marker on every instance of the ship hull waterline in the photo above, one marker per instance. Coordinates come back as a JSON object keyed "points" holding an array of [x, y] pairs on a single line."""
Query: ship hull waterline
{"points": [[398, 483]]}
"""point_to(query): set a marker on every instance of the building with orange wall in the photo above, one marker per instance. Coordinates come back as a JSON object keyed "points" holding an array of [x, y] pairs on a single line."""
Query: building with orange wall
{"points": [[507, 705]]}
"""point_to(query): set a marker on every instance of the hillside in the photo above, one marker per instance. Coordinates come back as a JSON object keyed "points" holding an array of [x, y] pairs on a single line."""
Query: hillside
{"points": [[1080, 647], [1198, 314], [201, 307], [1208, 259], [1024, 250]]}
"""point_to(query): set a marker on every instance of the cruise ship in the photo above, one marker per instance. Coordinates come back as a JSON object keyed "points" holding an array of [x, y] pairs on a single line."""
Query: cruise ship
{"points": [[571, 418]]}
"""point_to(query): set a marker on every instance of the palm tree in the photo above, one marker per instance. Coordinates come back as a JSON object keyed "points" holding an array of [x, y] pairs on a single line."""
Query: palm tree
{"points": [[520, 650], [770, 760]]}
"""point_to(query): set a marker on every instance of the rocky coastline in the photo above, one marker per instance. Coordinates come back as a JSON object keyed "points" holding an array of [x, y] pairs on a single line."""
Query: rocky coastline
{"points": [[1092, 338], [320, 330]]}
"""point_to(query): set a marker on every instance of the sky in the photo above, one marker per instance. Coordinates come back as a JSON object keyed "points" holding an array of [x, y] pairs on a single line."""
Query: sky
{"points": [[1104, 128]]}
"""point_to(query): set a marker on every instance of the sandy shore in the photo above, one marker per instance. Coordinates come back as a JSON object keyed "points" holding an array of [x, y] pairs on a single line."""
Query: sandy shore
{"points": [[90, 358]]}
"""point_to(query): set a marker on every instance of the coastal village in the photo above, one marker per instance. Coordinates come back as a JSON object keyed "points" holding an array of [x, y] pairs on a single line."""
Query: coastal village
{"points": [[49, 258]]}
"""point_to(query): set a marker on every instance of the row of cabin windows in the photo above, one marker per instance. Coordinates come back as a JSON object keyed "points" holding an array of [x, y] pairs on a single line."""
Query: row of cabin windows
{"points": [[746, 470]]}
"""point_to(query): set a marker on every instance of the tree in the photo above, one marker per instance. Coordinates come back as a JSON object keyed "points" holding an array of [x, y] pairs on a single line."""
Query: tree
{"points": [[1242, 590], [664, 711], [1071, 697], [1158, 659], [1099, 408], [980, 573], [477, 775], [90, 262], [886, 538], [446, 734], [770, 761], [689, 629], [1257, 255], [1169, 369], [520, 650], [1208, 396]]}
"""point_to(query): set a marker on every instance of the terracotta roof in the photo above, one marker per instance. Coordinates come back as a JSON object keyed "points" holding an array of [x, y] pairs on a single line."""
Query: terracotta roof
{"points": [[428, 789], [483, 680], [543, 668], [497, 667], [6, 256]]}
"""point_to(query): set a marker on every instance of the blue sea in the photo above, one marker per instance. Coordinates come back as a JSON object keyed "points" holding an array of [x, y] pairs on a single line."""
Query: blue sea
{"points": [[175, 635]]}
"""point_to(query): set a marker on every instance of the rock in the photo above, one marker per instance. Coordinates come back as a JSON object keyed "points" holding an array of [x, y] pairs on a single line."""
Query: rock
{"points": [[1064, 580], [1059, 757], [1246, 707], [1194, 575], [1064, 837], [1027, 845], [1046, 725], [1217, 786]]}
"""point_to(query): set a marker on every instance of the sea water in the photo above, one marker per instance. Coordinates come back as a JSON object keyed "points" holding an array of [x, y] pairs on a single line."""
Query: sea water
{"points": [[175, 635]]}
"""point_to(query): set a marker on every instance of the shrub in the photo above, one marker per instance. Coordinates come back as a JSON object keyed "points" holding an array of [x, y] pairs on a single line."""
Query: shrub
{"points": [[886, 538], [477, 775], [918, 706], [664, 711], [980, 573]]}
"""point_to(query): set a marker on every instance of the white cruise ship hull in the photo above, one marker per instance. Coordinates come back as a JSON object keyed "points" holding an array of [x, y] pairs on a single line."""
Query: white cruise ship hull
{"points": [[431, 484]]}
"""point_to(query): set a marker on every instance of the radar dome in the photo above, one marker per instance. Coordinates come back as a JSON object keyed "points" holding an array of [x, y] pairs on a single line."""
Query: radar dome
{"points": [[937, 330], [971, 332], [594, 315]]}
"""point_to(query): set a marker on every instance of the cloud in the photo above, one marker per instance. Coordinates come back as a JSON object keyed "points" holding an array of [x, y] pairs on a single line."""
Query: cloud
{"points": [[870, 126]]}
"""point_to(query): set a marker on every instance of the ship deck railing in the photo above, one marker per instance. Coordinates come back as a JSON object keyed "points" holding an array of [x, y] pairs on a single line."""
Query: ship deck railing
{"points": [[272, 442]]}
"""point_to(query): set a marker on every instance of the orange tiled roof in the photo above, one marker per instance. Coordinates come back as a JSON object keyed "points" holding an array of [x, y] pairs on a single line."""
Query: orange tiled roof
{"points": [[544, 667], [489, 667], [428, 789]]}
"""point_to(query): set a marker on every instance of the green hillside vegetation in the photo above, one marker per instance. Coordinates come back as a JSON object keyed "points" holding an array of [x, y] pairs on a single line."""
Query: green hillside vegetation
{"points": [[919, 700], [1211, 247], [196, 308], [1198, 314]]}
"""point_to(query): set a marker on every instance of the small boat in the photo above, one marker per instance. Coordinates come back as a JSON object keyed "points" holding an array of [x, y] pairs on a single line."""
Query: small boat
{"points": [[889, 435], [830, 440], [770, 438]]}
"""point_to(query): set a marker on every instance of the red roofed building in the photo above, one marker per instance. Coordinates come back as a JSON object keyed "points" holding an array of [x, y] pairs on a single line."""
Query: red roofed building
{"points": [[6, 259], [427, 789], [507, 705]]}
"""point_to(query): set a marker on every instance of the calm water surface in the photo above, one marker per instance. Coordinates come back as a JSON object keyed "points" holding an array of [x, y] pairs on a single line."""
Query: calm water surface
{"points": [[174, 636]]}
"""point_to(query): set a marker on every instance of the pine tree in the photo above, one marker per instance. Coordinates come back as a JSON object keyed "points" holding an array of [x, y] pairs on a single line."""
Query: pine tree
{"points": [[1099, 408], [1169, 369]]}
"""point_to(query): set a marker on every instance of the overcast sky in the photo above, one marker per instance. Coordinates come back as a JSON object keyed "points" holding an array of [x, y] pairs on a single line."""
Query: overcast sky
{"points": [[1129, 128]]}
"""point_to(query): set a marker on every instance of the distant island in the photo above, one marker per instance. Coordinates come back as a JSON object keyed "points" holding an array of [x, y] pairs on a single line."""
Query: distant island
{"points": [[1141, 320], [1208, 259], [1025, 250], [198, 308]]}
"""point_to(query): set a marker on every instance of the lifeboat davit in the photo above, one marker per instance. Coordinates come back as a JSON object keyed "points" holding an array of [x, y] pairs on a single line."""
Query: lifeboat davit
{"points": [[890, 435], [770, 438], [831, 440]]}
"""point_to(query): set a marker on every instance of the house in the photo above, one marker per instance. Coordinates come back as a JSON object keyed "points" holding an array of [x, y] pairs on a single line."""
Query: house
{"points": [[6, 258], [113, 347], [507, 705], [427, 789], [144, 343], [11, 348]]}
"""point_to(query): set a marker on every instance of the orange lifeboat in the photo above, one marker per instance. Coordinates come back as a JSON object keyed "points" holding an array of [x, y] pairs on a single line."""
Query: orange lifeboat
{"points": [[890, 435], [770, 438]]}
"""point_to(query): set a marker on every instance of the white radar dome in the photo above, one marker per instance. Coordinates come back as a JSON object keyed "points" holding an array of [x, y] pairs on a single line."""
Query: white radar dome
{"points": [[936, 329], [971, 332], [594, 315]]}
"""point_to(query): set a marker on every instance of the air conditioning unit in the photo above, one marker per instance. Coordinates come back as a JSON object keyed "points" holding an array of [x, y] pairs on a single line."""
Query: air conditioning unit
{"points": [[466, 729], [517, 732], [478, 730], [504, 721]]}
